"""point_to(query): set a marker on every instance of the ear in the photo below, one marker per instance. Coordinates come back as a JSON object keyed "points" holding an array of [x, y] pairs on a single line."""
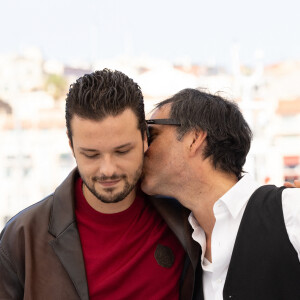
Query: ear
{"points": [[196, 141]]}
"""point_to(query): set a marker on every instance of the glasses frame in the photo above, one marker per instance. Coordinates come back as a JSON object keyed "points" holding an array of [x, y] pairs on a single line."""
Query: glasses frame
{"points": [[160, 122], [163, 122]]}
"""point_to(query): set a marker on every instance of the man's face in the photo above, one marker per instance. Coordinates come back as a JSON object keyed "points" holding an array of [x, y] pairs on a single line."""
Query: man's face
{"points": [[109, 155], [164, 159]]}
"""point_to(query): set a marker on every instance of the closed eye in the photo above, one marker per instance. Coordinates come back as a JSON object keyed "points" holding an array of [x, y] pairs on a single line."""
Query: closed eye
{"points": [[91, 156], [151, 138], [152, 133], [122, 152]]}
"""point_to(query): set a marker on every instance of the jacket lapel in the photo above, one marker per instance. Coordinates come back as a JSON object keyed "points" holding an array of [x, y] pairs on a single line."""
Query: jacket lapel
{"points": [[66, 243], [68, 250]]}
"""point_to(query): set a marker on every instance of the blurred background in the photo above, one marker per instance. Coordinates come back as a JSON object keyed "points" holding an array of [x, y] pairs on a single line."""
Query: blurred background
{"points": [[247, 51]]}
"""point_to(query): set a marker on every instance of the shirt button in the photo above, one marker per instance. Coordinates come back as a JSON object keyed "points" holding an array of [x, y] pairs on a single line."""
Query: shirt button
{"points": [[219, 280]]}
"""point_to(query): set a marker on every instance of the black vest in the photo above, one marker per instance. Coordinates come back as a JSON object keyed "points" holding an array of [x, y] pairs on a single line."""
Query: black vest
{"points": [[264, 264]]}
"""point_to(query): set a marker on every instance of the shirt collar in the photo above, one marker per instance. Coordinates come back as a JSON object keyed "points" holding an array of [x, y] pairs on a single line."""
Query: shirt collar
{"points": [[237, 197], [192, 220]]}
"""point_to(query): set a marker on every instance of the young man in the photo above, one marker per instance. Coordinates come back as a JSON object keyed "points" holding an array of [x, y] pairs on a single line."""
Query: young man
{"points": [[98, 236], [249, 235]]}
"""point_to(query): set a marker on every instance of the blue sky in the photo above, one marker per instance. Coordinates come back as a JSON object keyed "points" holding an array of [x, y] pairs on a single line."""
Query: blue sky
{"points": [[196, 31]]}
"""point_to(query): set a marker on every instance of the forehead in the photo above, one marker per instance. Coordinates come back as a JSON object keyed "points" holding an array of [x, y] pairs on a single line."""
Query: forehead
{"points": [[111, 129], [126, 119], [162, 112]]}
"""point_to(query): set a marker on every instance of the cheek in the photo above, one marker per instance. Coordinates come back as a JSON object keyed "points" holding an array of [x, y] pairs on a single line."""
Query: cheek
{"points": [[155, 158], [131, 167], [130, 163], [85, 172], [87, 168], [151, 154]]}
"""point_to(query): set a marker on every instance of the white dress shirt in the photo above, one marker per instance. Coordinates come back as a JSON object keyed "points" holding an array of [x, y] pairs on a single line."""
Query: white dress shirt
{"points": [[228, 211]]}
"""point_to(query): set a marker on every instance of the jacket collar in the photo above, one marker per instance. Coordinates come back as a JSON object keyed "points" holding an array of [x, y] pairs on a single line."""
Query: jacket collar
{"points": [[66, 243], [63, 209]]}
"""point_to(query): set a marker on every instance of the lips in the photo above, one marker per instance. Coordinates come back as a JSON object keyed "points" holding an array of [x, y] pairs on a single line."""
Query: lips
{"points": [[109, 183]]}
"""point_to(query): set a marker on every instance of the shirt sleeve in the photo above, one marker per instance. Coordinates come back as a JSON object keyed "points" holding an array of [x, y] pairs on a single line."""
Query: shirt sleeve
{"points": [[291, 213]]}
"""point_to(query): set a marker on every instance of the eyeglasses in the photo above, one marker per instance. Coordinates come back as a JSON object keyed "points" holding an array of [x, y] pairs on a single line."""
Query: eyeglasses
{"points": [[163, 122], [160, 122]]}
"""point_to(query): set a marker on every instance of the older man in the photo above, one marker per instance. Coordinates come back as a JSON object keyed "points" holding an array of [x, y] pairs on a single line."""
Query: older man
{"points": [[249, 235]]}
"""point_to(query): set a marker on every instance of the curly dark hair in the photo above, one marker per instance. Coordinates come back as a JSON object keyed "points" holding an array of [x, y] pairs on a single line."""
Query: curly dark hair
{"points": [[228, 134], [104, 93]]}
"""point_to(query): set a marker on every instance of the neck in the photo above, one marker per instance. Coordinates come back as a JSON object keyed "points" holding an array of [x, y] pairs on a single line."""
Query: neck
{"points": [[203, 192], [208, 191]]}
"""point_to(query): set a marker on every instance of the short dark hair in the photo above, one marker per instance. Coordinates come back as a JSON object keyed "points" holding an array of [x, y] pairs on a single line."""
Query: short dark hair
{"points": [[228, 134], [104, 93]]}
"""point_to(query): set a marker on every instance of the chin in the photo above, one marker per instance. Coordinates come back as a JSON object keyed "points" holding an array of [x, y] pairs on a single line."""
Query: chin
{"points": [[146, 188]]}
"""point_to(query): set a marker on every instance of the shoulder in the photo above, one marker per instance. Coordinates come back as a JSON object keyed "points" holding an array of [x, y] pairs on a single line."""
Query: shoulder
{"points": [[287, 196], [36, 217], [31, 217], [28, 214], [175, 215], [28, 227], [266, 195], [168, 206], [291, 196]]}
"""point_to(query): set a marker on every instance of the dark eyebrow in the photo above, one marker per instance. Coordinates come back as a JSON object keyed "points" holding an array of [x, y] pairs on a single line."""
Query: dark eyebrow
{"points": [[122, 146], [87, 149]]}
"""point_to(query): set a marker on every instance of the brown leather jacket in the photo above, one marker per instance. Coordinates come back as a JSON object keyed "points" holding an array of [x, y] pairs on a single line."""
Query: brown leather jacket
{"points": [[41, 256]]}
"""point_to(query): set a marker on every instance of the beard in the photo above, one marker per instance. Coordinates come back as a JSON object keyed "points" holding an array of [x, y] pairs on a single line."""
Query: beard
{"points": [[109, 196]]}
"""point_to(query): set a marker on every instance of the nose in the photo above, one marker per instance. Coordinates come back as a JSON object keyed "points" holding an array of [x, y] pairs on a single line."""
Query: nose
{"points": [[107, 167]]}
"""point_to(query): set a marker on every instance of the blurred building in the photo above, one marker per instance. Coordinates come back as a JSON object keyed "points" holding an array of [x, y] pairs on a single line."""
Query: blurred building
{"points": [[34, 153]]}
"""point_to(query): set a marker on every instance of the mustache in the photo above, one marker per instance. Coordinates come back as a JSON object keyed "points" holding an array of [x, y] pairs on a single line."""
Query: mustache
{"points": [[108, 178]]}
